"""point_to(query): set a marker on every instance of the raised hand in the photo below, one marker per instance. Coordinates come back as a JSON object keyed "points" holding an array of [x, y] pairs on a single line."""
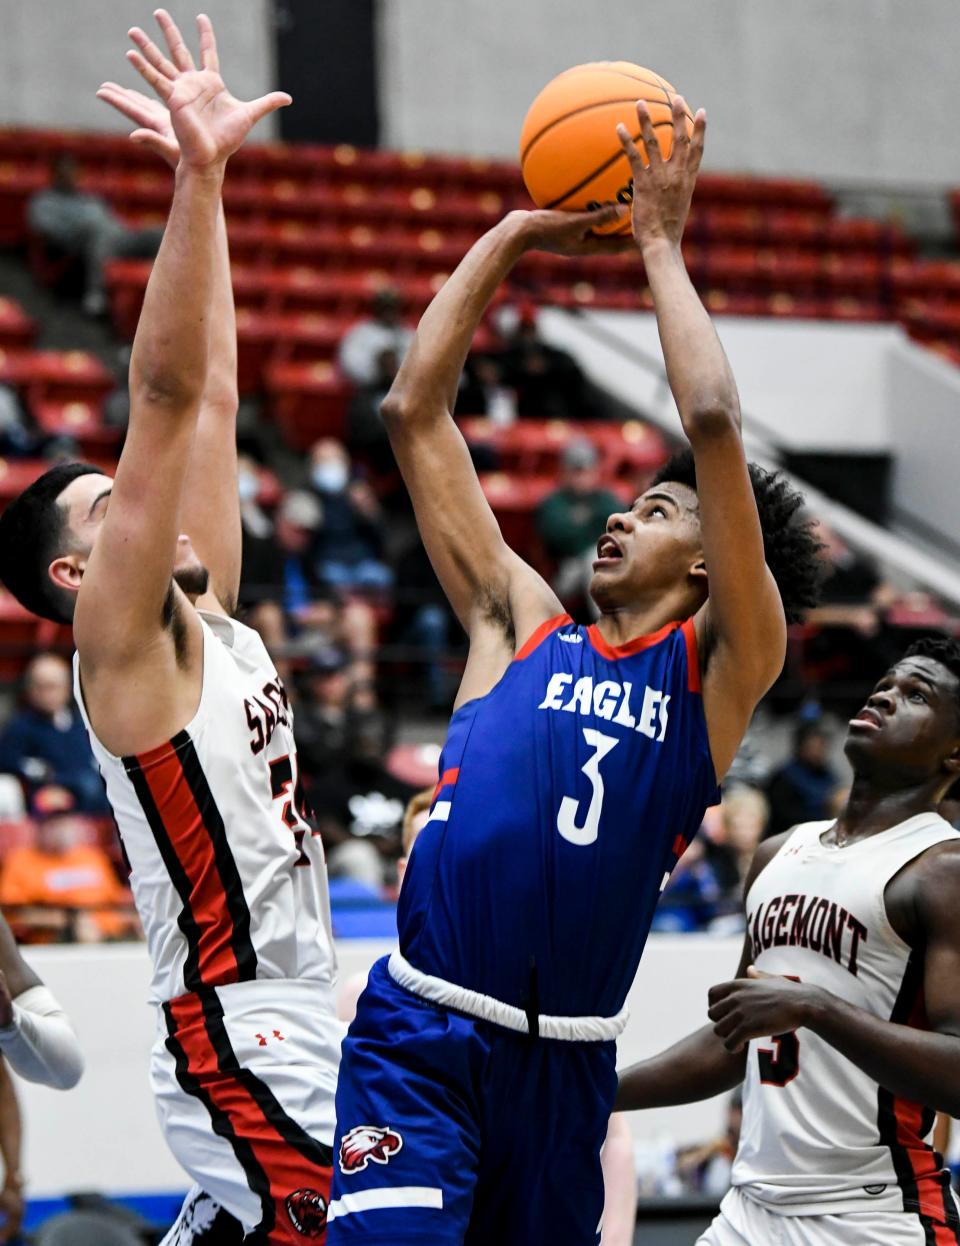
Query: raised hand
{"points": [[571, 233], [662, 189], [151, 117], [207, 122]]}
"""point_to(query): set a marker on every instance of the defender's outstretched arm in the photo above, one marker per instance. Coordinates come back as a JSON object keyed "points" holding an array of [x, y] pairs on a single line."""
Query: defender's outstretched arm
{"points": [[742, 630], [210, 508], [36, 1037], [478, 571], [119, 608]]}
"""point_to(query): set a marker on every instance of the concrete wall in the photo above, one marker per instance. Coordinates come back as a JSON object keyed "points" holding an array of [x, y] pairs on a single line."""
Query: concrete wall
{"points": [[54, 55], [863, 89], [806, 385], [924, 408], [104, 1134]]}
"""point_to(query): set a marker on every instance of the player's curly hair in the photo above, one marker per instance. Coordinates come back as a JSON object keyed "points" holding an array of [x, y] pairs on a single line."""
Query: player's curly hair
{"points": [[946, 651], [790, 547]]}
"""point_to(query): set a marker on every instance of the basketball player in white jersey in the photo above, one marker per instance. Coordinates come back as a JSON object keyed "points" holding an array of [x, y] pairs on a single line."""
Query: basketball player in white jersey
{"points": [[844, 1020], [189, 722]]}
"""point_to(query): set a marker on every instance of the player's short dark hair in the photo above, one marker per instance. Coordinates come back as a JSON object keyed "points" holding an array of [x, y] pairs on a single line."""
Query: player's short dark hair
{"points": [[942, 649], [33, 531], [790, 547]]}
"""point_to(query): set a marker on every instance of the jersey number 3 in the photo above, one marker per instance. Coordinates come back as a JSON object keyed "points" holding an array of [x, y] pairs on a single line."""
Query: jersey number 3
{"points": [[586, 831], [782, 1064]]}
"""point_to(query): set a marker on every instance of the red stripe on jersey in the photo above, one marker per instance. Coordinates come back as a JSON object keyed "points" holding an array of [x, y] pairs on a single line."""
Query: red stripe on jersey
{"points": [[693, 656], [904, 1124], [637, 645], [447, 779], [542, 632], [190, 841], [943, 1235], [922, 1157], [284, 1167]]}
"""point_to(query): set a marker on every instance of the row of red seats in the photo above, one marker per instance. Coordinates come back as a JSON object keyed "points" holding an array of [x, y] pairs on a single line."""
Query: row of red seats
{"points": [[143, 196], [17, 330], [628, 451], [404, 251], [63, 391], [312, 162]]}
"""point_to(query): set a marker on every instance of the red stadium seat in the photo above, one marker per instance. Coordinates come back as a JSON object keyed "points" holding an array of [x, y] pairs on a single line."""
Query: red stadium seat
{"points": [[307, 401], [266, 337], [16, 833], [514, 501], [17, 329]]}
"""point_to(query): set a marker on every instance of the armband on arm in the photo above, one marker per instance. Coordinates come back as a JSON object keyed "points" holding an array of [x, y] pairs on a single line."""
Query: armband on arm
{"points": [[40, 1044]]}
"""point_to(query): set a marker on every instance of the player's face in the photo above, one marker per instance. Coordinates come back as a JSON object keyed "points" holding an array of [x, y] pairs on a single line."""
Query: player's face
{"points": [[652, 547], [909, 728], [86, 501]]}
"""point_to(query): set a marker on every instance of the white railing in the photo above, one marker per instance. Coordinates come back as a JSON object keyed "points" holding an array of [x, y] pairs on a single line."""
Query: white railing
{"points": [[635, 376]]}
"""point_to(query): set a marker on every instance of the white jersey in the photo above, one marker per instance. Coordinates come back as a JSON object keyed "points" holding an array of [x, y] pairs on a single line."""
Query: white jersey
{"points": [[229, 881], [820, 1136]]}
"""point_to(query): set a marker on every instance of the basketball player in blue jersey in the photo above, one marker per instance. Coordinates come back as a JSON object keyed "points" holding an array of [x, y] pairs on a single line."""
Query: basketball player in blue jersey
{"points": [[478, 1075]]}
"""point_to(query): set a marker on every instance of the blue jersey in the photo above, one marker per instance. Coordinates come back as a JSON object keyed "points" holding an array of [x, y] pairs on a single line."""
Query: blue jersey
{"points": [[566, 796]]}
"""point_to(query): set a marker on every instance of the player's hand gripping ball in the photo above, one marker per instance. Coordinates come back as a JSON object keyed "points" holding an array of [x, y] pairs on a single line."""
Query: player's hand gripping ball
{"points": [[569, 151]]}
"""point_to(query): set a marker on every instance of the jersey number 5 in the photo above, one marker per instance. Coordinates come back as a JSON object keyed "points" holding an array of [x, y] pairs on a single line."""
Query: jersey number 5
{"points": [[285, 776], [586, 832], [780, 1065]]}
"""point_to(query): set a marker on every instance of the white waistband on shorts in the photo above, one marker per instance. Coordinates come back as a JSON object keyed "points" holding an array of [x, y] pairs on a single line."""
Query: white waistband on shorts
{"points": [[569, 1029]]}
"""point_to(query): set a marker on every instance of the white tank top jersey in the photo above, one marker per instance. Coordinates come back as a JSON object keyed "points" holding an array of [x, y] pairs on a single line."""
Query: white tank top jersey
{"points": [[229, 881], [819, 1136]]}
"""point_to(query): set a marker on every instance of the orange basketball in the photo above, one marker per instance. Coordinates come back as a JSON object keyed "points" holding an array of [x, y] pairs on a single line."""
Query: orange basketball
{"points": [[569, 151]]}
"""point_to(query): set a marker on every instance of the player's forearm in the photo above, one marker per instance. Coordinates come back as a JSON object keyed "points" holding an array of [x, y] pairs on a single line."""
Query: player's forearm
{"points": [[430, 372], [697, 368], [220, 397], [11, 1130], [698, 1067], [914, 1064], [211, 511], [168, 364]]}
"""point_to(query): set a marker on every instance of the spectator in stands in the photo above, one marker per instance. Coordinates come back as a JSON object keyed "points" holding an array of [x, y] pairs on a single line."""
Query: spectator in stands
{"points": [[851, 640], [744, 814], [17, 439], [548, 382], [691, 898], [569, 519], [364, 347], [85, 226], [66, 883], [298, 517], [802, 790], [415, 818], [325, 713], [347, 546], [423, 621], [45, 740], [358, 803], [366, 432], [706, 1169]]}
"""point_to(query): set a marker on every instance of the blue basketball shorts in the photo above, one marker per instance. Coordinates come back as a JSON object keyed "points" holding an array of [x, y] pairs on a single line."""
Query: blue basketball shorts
{"points": [[455, 1130]]}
